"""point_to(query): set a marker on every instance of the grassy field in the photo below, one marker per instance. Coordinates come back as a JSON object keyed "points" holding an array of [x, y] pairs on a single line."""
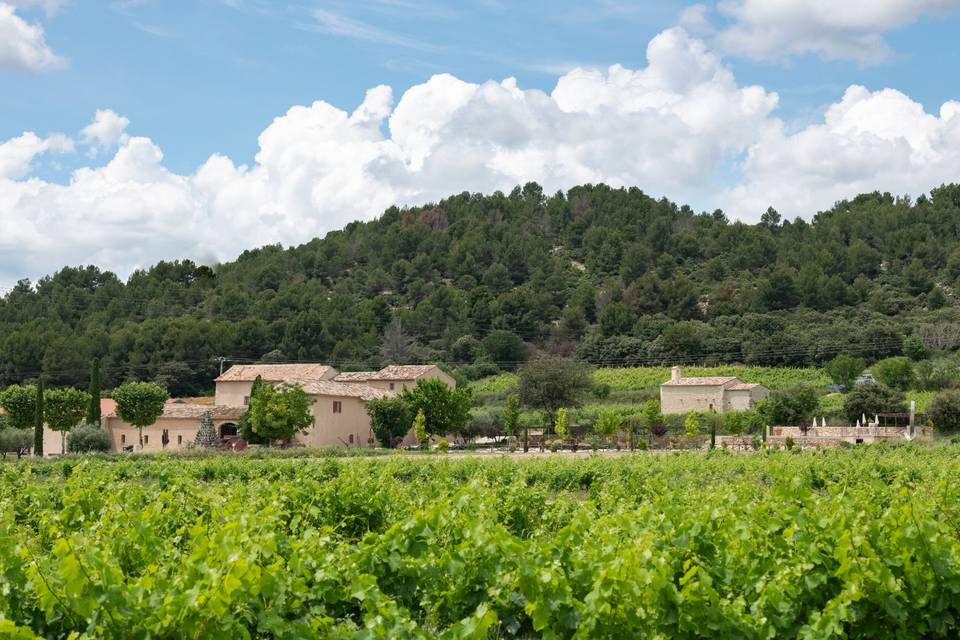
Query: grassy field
{"points": [[845, 543]]}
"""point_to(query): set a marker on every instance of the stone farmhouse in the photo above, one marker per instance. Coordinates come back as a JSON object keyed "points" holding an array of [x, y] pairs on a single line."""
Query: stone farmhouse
{"points": [[715, 393], [339, 405]]}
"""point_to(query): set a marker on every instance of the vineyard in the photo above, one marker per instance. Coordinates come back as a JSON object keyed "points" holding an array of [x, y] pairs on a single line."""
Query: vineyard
{"points": [[649, 378], [847, 543]]}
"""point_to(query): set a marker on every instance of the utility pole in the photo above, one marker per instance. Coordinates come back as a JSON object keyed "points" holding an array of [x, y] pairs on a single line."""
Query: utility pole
{"points": [[221, 360]]}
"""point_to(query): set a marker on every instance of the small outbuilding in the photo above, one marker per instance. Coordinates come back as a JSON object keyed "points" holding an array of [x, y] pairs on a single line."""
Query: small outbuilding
{"points": [[714, 393]]}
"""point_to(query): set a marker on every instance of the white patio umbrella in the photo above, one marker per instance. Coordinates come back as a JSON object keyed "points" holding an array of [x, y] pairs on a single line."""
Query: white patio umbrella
{"points": [[858, 423], [863, 418]]}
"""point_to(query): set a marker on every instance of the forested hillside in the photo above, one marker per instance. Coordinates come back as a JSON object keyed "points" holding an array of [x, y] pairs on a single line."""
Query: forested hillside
{"points": [[609, 275]]}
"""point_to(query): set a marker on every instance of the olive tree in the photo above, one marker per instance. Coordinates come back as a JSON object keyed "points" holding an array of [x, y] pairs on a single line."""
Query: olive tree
{"points": [[549, 383], [15, 441]]}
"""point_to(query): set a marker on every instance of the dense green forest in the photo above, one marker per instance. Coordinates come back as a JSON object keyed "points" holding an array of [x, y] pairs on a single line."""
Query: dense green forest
{"points": [[480, 282]]}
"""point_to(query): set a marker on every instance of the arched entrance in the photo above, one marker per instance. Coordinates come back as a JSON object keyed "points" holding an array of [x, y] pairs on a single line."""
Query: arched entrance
{"points": [[228, 430]]}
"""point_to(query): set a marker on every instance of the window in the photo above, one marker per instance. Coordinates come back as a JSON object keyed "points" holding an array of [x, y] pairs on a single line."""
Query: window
{"points": [[179, 440], [337, 406], [351, 438], [146, 439], [392, 386], [246, 401], [123, 438]]}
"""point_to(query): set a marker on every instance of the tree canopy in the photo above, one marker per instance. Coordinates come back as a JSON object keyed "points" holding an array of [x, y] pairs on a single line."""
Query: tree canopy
{"points": [[63, 409], [603, 274], [549, 383], [20, 403], [279, 412], [140, 404], [446, 410], [390, 419], [866, 400]]}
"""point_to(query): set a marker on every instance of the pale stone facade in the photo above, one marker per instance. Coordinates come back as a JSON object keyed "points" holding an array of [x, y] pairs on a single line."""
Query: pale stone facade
{"points": [[711, 394], [176, 429], [339, 405]]}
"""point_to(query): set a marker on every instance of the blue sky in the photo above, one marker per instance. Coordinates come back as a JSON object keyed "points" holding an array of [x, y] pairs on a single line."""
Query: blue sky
{"points": [[207, 76], [200, 82]]}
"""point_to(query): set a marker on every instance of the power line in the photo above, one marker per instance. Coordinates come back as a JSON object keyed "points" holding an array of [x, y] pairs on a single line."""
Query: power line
{"points": [[649, 361]]}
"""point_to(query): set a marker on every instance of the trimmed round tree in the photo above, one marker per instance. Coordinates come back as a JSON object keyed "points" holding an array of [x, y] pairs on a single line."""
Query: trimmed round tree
{"points": [[63, 409], [280, 412], [140, 404], [20, 403]]}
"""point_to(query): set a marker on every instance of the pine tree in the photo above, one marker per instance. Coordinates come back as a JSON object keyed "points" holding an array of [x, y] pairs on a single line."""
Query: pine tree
{"points": [[206, 435], [38, 421], [93, 411]]}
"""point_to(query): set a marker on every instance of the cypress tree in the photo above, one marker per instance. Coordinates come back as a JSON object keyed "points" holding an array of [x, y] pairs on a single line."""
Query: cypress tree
{"points": [[245, 431], [93, 411], [38, 421]]}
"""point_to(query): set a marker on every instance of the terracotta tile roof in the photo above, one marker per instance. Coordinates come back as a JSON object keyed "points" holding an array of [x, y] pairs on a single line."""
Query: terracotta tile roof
{"points": [[744, 386], [179, 409], [713, 381], [275, 372], [392, 372], [342, 389], [356, 376]]}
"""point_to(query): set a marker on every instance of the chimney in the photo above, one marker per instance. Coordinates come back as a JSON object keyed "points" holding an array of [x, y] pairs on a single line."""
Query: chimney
{"points": [[675, 374]]}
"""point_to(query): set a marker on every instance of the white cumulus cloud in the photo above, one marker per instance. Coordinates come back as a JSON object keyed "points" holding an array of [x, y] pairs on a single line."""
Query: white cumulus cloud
{"points": [[318, 167], [17, 154], [681, 126], [23, 46], [106, 131], [848, 29], [880, 140]]}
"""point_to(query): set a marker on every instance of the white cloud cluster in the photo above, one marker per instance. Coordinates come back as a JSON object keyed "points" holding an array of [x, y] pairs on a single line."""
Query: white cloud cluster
{"points": [[106, 131], [23, 46], [867, 141], [681, 126], [849, 29], [319, 167], [17, 154]]}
